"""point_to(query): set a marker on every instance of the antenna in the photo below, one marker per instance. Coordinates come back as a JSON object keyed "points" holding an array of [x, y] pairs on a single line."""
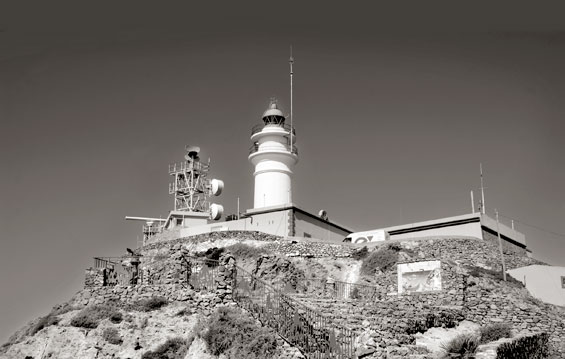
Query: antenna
{"points": [[291, 62], [482, 191]]}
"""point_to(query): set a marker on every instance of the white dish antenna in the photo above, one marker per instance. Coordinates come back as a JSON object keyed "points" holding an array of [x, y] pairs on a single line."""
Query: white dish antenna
{"points": [[216, 211], [217, 186], [323, 214]]}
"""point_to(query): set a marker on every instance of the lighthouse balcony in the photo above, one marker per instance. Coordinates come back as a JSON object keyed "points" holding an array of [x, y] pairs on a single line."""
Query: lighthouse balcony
{"points": [[273, 126], [281, 149]]}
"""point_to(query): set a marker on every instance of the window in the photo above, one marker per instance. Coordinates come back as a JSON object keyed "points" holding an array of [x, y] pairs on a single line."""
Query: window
{"points": [[562, 282], [307, 235], [179, 221]]}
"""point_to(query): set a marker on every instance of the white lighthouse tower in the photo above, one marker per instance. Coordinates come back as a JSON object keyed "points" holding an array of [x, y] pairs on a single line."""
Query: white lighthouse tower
{"points": [[274, 157]]}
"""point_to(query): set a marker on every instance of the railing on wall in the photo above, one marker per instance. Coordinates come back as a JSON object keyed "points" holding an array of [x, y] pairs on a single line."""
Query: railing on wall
{"points": [[315, 334], [334, 289], [202, 273], [119, 270]]}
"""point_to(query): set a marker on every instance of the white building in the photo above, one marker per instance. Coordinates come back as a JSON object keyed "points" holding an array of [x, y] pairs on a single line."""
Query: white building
{"points": [[544, 282], [473, 225]]}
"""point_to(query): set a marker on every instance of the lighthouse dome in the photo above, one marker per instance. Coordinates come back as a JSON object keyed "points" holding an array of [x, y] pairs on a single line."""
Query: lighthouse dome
{"points": [[273, 114]]}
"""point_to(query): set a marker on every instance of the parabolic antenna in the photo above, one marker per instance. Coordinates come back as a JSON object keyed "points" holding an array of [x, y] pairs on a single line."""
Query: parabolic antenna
{"points": [[216, 211], [217, 186], [323, 214]]}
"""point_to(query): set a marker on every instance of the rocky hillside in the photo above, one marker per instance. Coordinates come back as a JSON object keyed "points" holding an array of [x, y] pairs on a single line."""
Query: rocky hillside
{"points": [[351, 289]]}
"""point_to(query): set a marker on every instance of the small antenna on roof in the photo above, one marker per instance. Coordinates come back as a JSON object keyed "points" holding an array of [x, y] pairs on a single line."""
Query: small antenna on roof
{"points": [[291, 62]]}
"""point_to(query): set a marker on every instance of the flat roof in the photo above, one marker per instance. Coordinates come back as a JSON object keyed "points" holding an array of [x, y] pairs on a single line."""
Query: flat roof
{"points": [[292, 206]]}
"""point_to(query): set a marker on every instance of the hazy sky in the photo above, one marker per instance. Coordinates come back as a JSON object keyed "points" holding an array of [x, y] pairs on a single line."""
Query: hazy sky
{"points": [[394, 110]]}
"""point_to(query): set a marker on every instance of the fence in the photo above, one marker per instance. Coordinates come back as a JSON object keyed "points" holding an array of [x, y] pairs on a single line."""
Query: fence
{"points": [[316, 335], [333, 289], [119, 270]]}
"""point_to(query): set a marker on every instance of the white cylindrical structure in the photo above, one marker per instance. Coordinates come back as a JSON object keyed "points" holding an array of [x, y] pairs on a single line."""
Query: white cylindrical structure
{"points": [[273, 158]]}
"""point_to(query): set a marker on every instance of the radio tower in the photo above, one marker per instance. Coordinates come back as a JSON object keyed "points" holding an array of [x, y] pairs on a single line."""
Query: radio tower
{"points": [[191, 187]]}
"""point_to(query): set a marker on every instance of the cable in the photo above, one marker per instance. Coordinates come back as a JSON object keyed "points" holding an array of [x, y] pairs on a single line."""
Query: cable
{"points": [[533, 226]]}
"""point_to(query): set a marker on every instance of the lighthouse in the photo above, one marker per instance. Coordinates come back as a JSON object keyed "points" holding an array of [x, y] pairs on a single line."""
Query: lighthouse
{"points": [[273, 154]]}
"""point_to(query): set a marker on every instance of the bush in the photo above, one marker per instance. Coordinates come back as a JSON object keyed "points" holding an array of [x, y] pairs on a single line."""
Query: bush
{"points": [[489, 273], [493, 332], [112, 336], [383, 259], [90, 317], [245, 251], [236, 335], [43, 322], [211, 253], [463, 345], [150, 304], [174, 348], [360, 253]]}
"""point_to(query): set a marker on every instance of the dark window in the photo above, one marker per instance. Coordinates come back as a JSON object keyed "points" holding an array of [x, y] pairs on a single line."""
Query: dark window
{"points": [[307, 235], [562, 282], [179, 221]]}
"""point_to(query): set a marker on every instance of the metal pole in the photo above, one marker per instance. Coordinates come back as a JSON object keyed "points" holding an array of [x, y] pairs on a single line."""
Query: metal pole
{"points": [[472, 203], [483, 207], [500, 247], [238, 208], [291, 61]]}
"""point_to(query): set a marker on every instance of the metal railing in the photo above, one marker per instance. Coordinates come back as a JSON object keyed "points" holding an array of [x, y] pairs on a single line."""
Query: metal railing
{"points": [[119, 270], [282, 148], [259, 127], [334, 289], [187, 166], [202, 273], [315, 334]]}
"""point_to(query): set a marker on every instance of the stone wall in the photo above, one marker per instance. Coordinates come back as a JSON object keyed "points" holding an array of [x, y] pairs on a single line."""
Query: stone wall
{"points": [[94, 277], [465, 251], [309, 249]]}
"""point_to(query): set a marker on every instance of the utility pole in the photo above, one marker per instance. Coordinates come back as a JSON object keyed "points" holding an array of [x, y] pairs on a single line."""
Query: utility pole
{"points": [[483, 207], [472, 203], [500, 247], [237, 207]]}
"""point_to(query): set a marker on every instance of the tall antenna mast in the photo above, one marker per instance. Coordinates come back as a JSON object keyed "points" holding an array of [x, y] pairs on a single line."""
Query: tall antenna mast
{"points": [[483, 208], [290, 62]]}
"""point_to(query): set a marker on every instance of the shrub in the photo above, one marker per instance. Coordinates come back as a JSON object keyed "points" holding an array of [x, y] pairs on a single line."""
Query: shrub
{"points": [[150, 304], [489, 273], [463, 345], [211, 253], [383, 259], [90, 317], [236, 335], [174, 348], [43, 322], [245, 251], [360, 253], [112, 336], [493, 332]]}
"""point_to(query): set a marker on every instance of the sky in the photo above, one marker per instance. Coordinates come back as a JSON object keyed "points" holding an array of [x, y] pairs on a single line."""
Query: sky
{"points": [[395, 107]]}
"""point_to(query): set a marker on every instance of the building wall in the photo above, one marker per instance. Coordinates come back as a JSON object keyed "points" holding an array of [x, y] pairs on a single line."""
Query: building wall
{"points": [[543, 282], [305, 226], [467, 229]]}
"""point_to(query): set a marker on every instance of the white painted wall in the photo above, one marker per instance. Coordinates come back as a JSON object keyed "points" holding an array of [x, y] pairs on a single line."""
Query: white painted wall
{"points": [[408, 276], [467, 229], [317, 229], [543, 282]]}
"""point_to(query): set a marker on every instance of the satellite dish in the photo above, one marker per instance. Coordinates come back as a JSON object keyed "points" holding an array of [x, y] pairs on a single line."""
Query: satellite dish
{"points": [[323, 214], [216, 211], [217, 186]]}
